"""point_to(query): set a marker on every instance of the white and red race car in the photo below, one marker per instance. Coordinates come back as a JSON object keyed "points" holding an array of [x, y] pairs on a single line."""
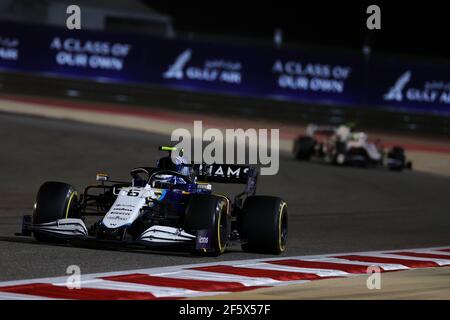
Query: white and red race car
{"points": [[342, 146]]}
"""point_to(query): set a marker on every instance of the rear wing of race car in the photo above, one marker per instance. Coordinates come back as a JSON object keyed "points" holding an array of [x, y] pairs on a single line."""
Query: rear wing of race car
{"points": [[225, 173], [228, 173]]}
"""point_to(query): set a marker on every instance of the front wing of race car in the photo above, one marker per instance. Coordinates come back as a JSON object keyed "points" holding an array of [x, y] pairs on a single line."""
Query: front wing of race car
{"points": [[74, 230]]}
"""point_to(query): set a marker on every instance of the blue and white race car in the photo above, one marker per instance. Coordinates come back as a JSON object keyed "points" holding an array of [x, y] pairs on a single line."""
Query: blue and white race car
{"points": [[170, 205]]}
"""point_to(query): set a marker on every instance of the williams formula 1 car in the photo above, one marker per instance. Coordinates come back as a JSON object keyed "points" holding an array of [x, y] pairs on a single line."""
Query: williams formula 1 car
{"points": [[171, 206], [342, 146]]}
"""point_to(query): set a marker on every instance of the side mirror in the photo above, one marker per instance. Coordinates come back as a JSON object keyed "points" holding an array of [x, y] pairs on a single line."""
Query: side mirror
{"points": [[102, 177]]}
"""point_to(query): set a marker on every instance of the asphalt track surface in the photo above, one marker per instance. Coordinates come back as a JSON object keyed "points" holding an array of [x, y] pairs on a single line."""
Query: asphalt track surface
{"points": [[331, 209]]}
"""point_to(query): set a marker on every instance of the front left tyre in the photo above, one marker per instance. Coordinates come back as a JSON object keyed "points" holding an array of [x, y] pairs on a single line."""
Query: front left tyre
{"points": [[304, 148], [209, 214]]}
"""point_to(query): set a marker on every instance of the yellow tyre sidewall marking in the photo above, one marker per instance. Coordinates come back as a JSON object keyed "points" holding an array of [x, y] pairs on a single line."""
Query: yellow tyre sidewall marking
{"points": [[218, 231], [68, 204], [281, 246], [221, 249]]}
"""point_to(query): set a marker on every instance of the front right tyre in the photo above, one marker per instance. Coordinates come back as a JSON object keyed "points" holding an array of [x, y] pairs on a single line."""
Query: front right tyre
{"points": [[396, 159], [54, 201]]}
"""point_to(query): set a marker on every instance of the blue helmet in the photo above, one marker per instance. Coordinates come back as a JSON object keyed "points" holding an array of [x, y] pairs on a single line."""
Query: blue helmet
{"points": [[178, 164]]}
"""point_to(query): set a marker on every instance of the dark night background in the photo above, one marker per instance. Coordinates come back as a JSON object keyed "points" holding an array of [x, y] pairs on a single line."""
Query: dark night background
{"points": [[417, 28]]}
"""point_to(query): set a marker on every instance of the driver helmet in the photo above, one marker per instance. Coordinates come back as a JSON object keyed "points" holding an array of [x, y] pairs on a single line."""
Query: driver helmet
{"points": [[167, 163], [178, 164]]}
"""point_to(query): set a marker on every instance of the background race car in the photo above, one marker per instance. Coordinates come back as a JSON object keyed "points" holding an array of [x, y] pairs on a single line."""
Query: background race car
{"points": [[342, 146]]}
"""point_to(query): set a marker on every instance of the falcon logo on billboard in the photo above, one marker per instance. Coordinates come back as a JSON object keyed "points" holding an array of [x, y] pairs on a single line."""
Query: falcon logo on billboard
{"points": [[9, 49], [395, 92], [296, 75], [431, 92], [211, 70], [176, 69]]}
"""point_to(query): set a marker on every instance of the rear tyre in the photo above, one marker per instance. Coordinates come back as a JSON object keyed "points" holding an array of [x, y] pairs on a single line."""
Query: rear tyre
{"points": [[264, 225], [54, 201], [209, 212], [304, 148]]}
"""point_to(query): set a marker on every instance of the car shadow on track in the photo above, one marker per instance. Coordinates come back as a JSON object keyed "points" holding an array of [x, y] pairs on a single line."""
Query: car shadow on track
{"points": [[28, 240]]}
